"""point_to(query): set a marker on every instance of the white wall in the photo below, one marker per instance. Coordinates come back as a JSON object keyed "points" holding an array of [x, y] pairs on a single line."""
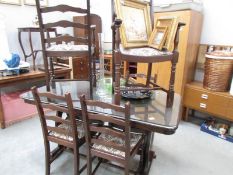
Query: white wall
{"points": [[21, 16], [16, 16], [217, 26]]}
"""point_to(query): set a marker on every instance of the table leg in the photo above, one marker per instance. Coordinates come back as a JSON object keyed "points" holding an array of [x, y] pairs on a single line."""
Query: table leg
{"points": [[32, 51], [185, 113], [148, 154], [21, 45], [2, 122]]}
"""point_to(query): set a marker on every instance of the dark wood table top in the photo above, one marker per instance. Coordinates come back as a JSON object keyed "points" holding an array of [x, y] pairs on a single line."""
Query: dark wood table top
{"points": [[31, 75], [146, 114]]}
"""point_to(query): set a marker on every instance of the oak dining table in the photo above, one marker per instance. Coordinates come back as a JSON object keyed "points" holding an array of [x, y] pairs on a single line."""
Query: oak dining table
{"points": [[148, 115]]}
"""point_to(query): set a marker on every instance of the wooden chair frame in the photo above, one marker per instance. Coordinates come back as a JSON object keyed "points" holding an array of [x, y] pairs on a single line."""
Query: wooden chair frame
{"points": [[47, 129], [89, 39], [121, 129], [118, 57]]}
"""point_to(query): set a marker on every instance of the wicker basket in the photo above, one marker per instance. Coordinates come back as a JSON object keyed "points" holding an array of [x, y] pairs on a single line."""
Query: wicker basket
{"points": [[218, 70]]}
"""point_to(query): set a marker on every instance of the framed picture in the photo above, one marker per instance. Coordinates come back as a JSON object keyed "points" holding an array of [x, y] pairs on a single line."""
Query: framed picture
{"points": [[33, 2], [136, 24], [15, 2], [171, 23], [157, 38]]}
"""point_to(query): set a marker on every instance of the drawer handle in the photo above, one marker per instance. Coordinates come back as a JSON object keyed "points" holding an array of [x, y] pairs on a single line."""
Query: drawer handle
{"points": [[204, 96], [203, 105]]}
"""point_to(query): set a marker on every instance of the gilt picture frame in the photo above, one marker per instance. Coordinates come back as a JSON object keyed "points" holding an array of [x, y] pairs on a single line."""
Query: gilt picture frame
{"points": [[13, 2], [172, 24], [33, 2], [158, 37], [136, 24]]}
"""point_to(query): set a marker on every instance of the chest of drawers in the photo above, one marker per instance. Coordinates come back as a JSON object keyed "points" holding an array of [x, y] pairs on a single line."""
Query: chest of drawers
{"points": [[219, 104]]}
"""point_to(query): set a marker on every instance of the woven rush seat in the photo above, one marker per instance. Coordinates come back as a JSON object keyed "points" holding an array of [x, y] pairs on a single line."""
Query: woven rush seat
{"points": [[135, 137], [80, 130], [143, 51], [69, 47]]}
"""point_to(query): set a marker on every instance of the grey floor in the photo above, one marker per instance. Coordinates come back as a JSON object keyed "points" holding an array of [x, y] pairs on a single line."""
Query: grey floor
{"points": [[188, 152]]}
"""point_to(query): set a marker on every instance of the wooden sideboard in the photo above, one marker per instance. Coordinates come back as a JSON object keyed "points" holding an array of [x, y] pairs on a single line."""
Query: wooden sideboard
{"points": [[32, 76], [219, 104], [188, 46]]}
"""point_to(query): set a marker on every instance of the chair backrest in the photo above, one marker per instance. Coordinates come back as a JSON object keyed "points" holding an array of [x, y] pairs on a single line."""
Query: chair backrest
{"points": [[50, 122], [94, 20], [121, 127], [62, 20]]}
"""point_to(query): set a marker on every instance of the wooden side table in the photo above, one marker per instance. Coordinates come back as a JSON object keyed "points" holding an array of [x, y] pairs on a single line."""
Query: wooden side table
{"points": [[33, 53], [32, 76]]}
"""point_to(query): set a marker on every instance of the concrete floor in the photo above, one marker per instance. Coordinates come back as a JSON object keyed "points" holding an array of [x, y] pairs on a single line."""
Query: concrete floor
{"points": [[188, 152]]}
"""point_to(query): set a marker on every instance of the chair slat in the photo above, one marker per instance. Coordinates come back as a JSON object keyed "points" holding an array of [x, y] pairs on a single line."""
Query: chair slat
{"points": [[71, 53], [106, 118], [61, 142], [105, 105], [108, 144], [108, 131], [60, 130], [55, 107], [63, 8], [57, 119], [51, 95], [64, 23], [66, 39]]}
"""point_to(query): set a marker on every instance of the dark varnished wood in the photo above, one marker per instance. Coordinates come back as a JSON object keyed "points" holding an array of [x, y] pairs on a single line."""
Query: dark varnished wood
{"points": [[48, 55], [67, 39], [63, 8], [118, 57], [96, 25], [148, 115], [119, 130], [71, 131], [64, 23], [32, 76]]}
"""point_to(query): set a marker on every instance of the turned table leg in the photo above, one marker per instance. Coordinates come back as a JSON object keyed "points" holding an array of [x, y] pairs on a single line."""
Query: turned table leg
{"points": [[2, 121]]}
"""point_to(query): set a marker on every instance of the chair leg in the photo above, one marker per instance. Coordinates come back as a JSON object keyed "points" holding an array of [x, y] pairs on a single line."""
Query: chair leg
{"points": [[89, 164], [76, 161], [47, 158], [127, 170]]}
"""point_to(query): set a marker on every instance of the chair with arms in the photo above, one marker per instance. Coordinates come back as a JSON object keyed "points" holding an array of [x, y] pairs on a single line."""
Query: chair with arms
{"points": [[116, 144], [138, 51], [67, 133], [67, 49]]}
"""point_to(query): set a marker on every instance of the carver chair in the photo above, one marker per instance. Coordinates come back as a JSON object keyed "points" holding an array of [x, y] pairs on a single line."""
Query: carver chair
{"points": [[66, 132], [114, 141], [65, 44], [138, 51]]}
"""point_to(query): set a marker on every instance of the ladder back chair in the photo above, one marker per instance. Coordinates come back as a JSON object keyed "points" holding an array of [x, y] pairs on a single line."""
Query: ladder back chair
{"points": [[118, 143], [138, 52], [67, 133], [97, 22], [64, 45]]}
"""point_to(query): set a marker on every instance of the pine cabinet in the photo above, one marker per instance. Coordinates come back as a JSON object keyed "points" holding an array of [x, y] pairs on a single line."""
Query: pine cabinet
{"points": [[219, 104]]}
